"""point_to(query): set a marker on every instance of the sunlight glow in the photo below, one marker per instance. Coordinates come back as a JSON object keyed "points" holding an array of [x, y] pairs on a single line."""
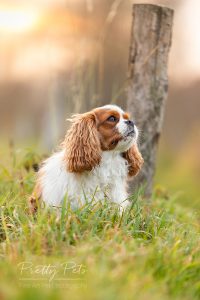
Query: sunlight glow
{"points": [[17, 21]]}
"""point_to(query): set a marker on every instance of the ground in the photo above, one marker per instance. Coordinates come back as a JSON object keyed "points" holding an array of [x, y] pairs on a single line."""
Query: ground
{"points": [[152, 251]]}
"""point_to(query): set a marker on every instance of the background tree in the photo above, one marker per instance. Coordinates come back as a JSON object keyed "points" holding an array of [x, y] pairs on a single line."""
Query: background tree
{"points": [[147, 92]]}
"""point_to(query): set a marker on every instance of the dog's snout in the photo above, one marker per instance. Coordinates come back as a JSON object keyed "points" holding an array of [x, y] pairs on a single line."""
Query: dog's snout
{"points": [[130, 123]]}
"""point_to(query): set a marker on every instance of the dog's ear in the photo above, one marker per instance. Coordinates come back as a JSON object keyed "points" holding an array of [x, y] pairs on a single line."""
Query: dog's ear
{"points": [[82, 145], [135, 160]]}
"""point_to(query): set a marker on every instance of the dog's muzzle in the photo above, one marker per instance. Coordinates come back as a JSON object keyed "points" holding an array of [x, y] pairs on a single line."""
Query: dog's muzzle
{"points": [[130, 128]]}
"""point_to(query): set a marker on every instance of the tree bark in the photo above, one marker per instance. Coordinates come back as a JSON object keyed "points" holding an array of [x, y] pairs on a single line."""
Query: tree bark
{"points": [[148, 81]]}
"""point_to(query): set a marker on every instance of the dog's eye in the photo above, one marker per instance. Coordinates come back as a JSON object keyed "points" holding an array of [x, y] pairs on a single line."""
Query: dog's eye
{"points": [[112, 119]]}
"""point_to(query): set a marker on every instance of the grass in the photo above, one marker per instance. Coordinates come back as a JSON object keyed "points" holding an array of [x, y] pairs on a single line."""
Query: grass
{"points": [[152, 251], [179, 172]]}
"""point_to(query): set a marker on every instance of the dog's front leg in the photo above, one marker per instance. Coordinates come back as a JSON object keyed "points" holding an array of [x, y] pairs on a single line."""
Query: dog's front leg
{"points": [[119, 195]]}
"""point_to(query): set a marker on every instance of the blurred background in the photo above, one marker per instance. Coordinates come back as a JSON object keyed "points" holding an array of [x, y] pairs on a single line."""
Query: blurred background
{"points": [[59, 57]]}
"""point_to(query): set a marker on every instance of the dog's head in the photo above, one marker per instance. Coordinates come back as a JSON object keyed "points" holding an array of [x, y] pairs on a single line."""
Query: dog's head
{"points": [[107, 128]]}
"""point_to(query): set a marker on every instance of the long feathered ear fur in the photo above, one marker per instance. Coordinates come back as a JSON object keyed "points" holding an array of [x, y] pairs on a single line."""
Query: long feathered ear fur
{"points": [[134, 159], [82, 145]]}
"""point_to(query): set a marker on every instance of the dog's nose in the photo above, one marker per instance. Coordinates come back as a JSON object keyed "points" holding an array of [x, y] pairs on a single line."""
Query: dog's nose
{"points": [[130, 123]]}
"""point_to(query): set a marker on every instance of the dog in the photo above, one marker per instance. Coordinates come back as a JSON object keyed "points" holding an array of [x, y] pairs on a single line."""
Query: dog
{"points": [[96, 158]]}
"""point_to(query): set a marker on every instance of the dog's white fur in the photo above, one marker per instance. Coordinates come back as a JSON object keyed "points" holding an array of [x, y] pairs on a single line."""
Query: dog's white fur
{"points": [[106, 181]]}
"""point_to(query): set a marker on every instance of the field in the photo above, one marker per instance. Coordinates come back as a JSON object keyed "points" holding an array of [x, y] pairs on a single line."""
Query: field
{"points": [[152, 251]]}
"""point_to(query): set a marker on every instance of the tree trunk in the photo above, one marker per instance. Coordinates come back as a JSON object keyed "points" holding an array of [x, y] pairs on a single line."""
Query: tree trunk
{"points": [[148, 86]]}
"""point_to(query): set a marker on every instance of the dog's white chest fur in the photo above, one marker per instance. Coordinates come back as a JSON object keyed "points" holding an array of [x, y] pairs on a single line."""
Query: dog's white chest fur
{"points": [[108, 180]]}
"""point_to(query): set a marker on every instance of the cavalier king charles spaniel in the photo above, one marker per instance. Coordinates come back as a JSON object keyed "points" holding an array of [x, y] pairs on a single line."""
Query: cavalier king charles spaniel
{"points": [[97, 156]]}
